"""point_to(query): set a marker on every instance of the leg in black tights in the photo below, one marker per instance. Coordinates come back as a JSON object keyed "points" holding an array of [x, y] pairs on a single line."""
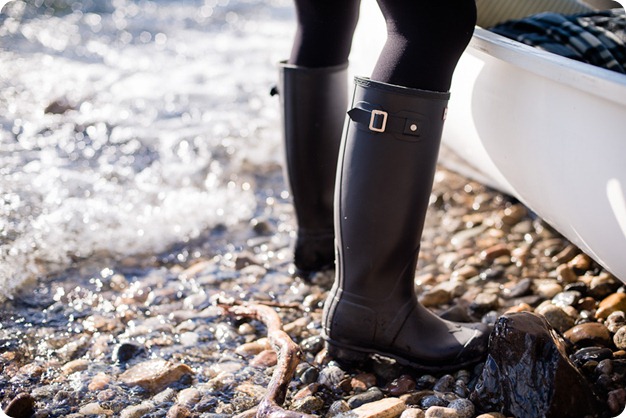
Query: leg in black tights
{"points": [[324, 33], [425, 38]]}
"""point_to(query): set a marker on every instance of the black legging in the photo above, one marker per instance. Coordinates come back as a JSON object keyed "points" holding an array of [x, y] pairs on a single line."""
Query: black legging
{"points": [[425, 38]]}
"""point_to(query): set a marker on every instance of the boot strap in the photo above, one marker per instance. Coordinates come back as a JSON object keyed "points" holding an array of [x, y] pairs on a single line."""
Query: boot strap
{"points": [[377, 120]]}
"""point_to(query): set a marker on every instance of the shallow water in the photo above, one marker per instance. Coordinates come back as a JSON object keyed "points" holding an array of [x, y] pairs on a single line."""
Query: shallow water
{"points": [[129, 127]]}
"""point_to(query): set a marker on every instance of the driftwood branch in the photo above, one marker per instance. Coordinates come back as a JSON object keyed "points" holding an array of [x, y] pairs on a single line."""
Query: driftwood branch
{"points": [[289, 356]]}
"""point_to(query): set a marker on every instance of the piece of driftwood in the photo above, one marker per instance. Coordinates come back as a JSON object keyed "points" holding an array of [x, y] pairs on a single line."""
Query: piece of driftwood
{"points": [[289, 355]]}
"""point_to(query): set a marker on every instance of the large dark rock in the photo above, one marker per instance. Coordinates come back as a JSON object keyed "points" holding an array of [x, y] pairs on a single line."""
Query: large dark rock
{"points": [[528, 374]]}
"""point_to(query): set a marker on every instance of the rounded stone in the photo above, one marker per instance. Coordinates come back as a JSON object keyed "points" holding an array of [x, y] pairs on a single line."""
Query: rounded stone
{"points": [[432, 400], [338, 408], [464, 407], [22, 406], [425, 381], [615, 321], [592, 354], [567, 298], [566, 274], [444, 384], [401, 385], [610, 304], [548, 289], [589, 334], [620, 338], [483, 303], [313, 344], [441, 412], [412, 413], [310, 375], [494, 252], [435, 297], [308, 405], [331, 376], [126, 351], [370, 395], [555, 316]]}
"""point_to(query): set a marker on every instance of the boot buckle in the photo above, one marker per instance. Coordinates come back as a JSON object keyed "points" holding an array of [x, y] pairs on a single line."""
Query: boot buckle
{"points": [[375, 117]]}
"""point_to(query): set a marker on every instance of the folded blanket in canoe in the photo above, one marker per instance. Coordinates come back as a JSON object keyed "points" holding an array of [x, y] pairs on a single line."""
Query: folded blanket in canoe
{"points": [[597, 38]]}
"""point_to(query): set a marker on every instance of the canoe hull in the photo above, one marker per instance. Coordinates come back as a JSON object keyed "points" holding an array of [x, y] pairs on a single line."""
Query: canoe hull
{"points": [[549, 131]]}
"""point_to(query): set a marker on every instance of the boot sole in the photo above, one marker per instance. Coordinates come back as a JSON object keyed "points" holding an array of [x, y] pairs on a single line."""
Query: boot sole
{"points": [[350, 355]]}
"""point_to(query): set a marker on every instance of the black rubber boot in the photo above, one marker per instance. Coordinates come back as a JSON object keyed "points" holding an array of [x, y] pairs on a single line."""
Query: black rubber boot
{"points": [[386, 169], [314, 103]]}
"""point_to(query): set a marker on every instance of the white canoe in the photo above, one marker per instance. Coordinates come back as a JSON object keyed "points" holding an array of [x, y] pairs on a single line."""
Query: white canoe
{"points": [[551, 132]]}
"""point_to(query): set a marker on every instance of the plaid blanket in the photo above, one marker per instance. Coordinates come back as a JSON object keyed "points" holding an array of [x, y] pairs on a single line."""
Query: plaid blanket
{"points": [[597, 38]]}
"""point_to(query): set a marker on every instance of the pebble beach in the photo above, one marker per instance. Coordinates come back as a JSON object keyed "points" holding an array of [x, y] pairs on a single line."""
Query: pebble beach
{"points": [[135, 204], [119, 343]]}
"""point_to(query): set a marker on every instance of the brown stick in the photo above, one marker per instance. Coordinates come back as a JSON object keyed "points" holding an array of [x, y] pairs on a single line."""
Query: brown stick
{"points": [[289, 356]]}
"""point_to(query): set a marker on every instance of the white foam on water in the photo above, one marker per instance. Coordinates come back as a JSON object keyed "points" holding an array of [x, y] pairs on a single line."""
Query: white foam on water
{"points": [[160, 110]]}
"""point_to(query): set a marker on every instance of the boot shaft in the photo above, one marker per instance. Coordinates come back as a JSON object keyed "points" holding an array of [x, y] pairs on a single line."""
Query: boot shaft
{"points": [[387, 165], [313, 105]]}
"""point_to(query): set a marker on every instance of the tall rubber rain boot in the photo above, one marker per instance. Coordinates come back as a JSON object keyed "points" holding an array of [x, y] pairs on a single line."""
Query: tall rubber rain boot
{"points": [[386, 169], [313, 103]]}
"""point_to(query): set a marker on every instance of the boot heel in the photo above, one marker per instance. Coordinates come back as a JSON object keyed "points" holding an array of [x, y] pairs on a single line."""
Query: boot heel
{"points": [[345, 355]]}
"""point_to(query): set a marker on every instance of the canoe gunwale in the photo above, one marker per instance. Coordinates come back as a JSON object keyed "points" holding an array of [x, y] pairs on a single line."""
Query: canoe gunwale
{"points": [[609, 85]]}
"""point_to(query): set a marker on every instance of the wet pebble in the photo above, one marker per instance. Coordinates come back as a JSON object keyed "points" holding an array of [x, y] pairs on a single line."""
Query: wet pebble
{"points": [[444, 384], [494, 252], [383, 408], [22, 406], [189, 397], [591, 354], [610, 304], [547, 288], [75, 366], [362, 381], [483, 303], [519, 289], [425, 381], [331, 376], [308, 390], [555, 316], [401, 385], [589, 334], [99, 382], [435, 297], [337, 408], [464, 407], [126, 351], [566, 274], [155, 375], [460, 408], [370, 395], [620, 338], [615, 321], [178, 411], [253, 348], [602, 286], [94, 408], [567, 298], [308, 405], [309, 375], [432, 400], [312, 344], [137, 411], [266, 358], [617, 401], [412, 413]]}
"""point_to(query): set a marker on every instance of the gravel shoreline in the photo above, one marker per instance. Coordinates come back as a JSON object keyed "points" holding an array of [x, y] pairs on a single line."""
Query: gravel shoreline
{"points": [[143, 338]]}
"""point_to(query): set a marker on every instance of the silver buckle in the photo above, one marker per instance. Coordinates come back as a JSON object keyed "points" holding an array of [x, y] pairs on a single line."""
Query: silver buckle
{"points": [[373, 119]]}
